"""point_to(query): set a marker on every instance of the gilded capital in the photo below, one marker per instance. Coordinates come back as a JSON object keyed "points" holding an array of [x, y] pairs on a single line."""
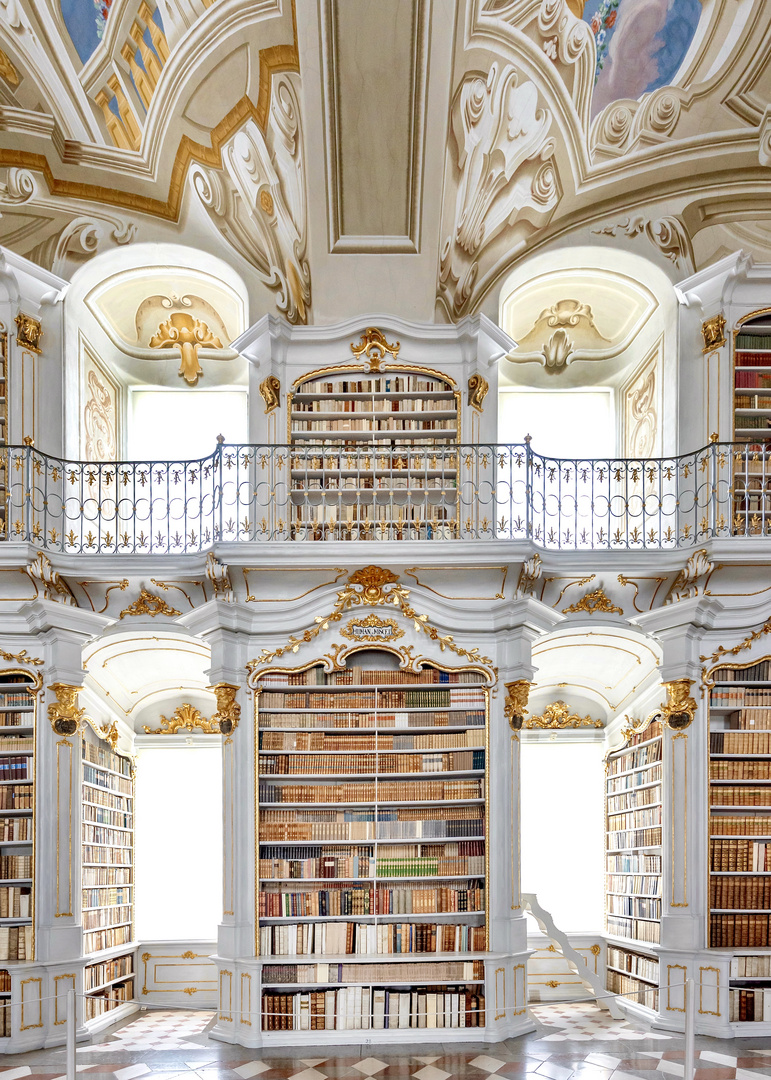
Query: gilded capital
{"points": [[712, 331], [228, 710], [64, 714], [515, 705], [680, 707], [270, 389]]}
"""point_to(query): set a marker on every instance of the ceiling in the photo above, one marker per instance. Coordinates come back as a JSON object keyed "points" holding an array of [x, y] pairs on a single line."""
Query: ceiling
{"points": [[272, 135]]}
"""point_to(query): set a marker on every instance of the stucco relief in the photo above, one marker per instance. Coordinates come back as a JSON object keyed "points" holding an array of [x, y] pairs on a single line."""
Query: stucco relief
{"points": [[99, 433], [505, 176], [642, 420]]}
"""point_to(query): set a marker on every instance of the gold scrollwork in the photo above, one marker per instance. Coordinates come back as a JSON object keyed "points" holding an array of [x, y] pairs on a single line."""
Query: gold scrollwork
{"points": [[680, 708], [109, 732], [270, 389], [373, 628], [184, 718], [745, 644], [148, 603], [637, 726], [530, 573], [29, 331], [21, 658], [228, 710], [374, 346], [64, 714], [712, 333], [477, 391], [593, 602], [515, 703], [558, 715]]}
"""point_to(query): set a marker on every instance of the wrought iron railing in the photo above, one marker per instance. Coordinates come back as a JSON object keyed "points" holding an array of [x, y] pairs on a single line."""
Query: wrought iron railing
{"points": [[253, 494]]}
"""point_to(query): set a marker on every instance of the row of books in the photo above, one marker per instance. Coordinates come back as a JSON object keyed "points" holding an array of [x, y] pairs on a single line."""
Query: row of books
{"points": [[339, 900], [112, 997], [15, 866], [401, 482], [753, 423], [15, 902], [752, 380], [759, 672], [380, 815], [627, 760], [357, 676], [16, 942], [107, 856], [631, 800], [632, 990], [108, 896], [331, 406], [634, 929], [633, 963], [16, 718], [369, 792], [11, 743], [740, 769], [97, 974], [749, 1006], [336, 765], [371, 830], [746, 340], [106, 916], [316, 741], [5, 981], [21, 699], [388, 423], [750, 967], [5, 1020], [366, 974], [95, 776], [633, 864], [108, 799], [726, 795], [101, 834], [16, 828], [748, 931], [740, 892], [372, 721], [386, 384], [338, 938], [738, 855], [743, 697], [423, 698], [633, 780], [639, 884], [752, 401], [103, 816], [14, 767], [108, 875], [635, 819], [654, 731], [634, 838], [741, 742], [16, 797], [362, 1007], [634, 906], [106, 939], [100, 755]]}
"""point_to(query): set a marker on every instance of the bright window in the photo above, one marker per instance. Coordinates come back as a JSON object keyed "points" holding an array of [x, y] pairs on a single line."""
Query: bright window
{"points": [[179, 843], [563, 828], [562, 423], [184, 424]]}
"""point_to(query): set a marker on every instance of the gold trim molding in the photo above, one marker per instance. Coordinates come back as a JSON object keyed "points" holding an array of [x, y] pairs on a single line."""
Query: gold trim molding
{"points": [[148, 603], [680, 708], [558, 715], [593, 602]]}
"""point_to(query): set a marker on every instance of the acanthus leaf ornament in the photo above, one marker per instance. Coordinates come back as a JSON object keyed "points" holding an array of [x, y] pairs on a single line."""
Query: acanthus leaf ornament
{"points": [[478, 388], [374, 346], [712, 332], [107, 732], [593, 602], [529, 575], [183, 332], [54, 586], [680, 708], [148, 603], [755, 635], [270, 390], [184, 718], [64, 715], [29, 331], [668, 234], [515, 704], [558, 715], [228, 710], [687, 584], [219, 576]]}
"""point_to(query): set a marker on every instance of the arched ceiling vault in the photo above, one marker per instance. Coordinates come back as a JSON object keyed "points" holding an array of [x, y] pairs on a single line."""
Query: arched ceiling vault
{"points": [[470, 142]]}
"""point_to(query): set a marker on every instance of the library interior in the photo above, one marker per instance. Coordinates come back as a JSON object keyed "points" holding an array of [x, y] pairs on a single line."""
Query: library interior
{"points": [[324, 723]]}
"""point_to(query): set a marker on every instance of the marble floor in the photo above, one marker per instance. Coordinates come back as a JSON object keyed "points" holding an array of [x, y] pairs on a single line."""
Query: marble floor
{"points": [[573, 1042]]}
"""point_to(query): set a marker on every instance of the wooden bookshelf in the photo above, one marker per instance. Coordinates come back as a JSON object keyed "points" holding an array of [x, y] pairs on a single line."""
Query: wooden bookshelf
{"points": [[107, 823], [4, 432], [369, 453], [372, 826], [633, 866], [752, 425], [740, 806]]}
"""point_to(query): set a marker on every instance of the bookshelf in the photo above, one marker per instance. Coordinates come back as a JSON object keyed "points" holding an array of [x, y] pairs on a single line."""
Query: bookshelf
{"points": [[4, 433], [633, 865], [369, 454], [372, 826], [107, 882], [752, 424]]}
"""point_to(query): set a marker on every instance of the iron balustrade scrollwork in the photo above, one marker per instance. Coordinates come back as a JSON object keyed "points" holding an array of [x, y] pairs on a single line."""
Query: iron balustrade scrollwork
{"points": [[315, 492]]}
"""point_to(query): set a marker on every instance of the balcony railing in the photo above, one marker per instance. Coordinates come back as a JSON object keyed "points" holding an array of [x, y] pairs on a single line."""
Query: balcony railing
{"points": [[254, 494]]}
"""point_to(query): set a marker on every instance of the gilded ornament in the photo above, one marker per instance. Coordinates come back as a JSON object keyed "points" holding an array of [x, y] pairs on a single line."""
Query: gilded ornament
{"points": [[29, 331], [188, 334], [64, 715], [219, 576], [686, 585], [515, 704], [558, 715], [21, 658], [148, 603], [189, 955], [593, 602], [636, 727], [108, 732], [531, 572], [680, 707], [270, 389], [373, 628], [7, 70], [184, 718], [266, 201], [712, 331], [477, 391], [228, 710], [595, 950], [55, 588], [372, 585], [748, 641], [374, 346]]}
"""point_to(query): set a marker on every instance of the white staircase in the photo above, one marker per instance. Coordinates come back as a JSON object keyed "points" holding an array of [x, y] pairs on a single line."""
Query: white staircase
{"points": [[591, 981]]}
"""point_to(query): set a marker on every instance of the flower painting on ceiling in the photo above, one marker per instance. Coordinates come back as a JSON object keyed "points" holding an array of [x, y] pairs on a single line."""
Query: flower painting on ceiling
{"points": [[86, 21], [640, 44]]}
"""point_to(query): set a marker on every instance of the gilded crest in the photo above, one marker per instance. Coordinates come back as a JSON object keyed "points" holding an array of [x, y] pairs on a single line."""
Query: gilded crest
{"points": [[64, 714], [184, 718], [373, 628], [558, 715], [592, 603], [680, 708], [712, 330], [373, 346], [148, 603], [270, 389], [29, 331]]}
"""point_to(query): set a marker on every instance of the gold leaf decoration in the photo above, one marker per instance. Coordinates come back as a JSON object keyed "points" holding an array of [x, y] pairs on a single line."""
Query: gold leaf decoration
{"points": [[184, 718], [593, 602], [558, 715], [148, 603]]}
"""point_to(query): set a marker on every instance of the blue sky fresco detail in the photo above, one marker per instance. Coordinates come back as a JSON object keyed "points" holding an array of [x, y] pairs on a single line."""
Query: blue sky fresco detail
{"points": [[640, 44]]}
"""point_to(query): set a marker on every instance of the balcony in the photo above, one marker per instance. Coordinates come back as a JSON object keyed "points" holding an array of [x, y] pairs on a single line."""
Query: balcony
{"points": [[311, 493]]}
